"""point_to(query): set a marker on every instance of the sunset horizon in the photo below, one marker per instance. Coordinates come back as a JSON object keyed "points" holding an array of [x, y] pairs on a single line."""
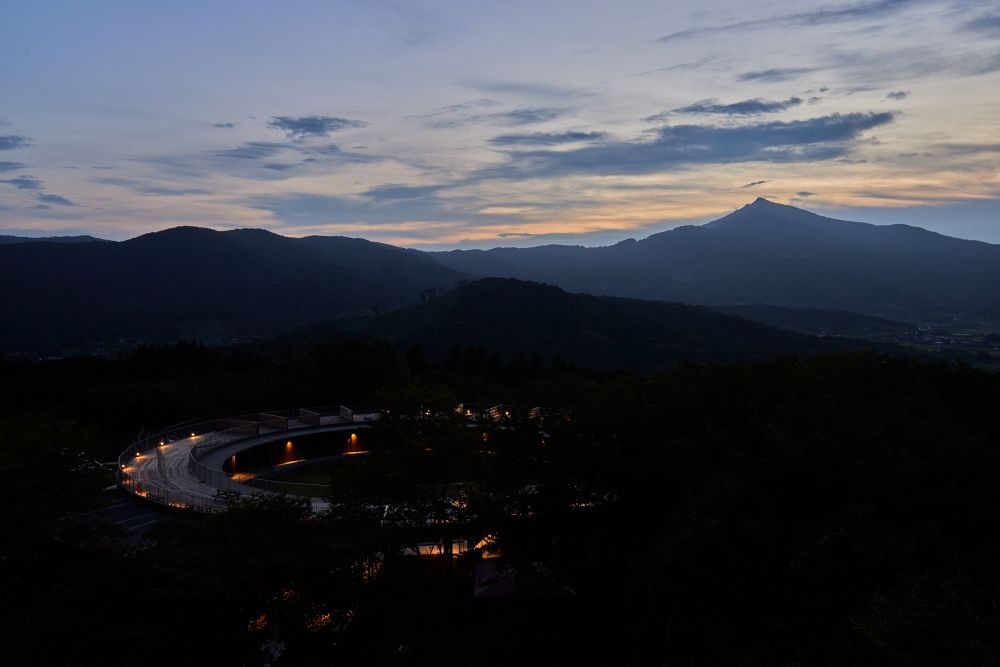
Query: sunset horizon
{"points": [[407, 123]]}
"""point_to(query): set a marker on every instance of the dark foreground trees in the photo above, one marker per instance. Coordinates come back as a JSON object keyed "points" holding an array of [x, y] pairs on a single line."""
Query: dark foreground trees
{"points": [[833, 510]]}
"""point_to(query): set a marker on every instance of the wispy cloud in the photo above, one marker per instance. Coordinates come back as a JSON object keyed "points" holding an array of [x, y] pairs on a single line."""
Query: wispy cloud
{"points": [[820, 16], [480, 103], [224, 125], [279, 166], [777, 74], [23, 183], [546, 138], [546, 91], [11, 166], [304, 127], [988, 24], [515, 117], [897, 95], [252, 150], [529, 116], [304, 209], [966, 149], [54, 199], [151, 189], [814, 139], [396, 192], [751, 107], [9, 142], [753, 184]]}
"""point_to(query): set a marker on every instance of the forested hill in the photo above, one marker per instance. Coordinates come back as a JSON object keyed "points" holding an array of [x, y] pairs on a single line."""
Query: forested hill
{"points": [[767, 253], [6, 239], [508, 318], [198, 283]]}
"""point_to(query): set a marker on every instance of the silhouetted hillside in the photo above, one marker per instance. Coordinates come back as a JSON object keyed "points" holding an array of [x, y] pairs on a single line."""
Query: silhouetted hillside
{"points": [[513, 318], [8, 240], [766, 253], [817, 321], [199, 283]]}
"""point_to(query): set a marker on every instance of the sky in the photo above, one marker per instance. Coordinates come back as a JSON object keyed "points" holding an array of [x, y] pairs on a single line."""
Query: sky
{"points": [[439, 124]]}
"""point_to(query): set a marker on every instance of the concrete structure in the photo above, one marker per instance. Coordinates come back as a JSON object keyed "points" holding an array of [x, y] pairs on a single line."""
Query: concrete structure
{"points": [[473, 411], [182, 466], [360, 413]]}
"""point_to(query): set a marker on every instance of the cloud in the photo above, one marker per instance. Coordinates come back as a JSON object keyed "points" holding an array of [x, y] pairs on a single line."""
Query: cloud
{"points": [[704, 62], [268, 160], [546, 138], [776, 74], [224, 125], [278, 166], [54, 199], [806, 194], [988, 24], [24, 183], [545, 91], [522, 116], [9, 142], [482, 102], [753, 184], [873, 71], [304, 127], [302, 209], [897, 95], [966, 149], [529, 116], [821, 16], [149, 189], [11, 166], [396, 192], [821, 138], [745, 108], [252, 150]]}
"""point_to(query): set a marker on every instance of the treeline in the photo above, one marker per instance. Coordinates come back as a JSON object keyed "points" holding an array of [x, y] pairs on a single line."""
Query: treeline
{"points": [[158, 385]]}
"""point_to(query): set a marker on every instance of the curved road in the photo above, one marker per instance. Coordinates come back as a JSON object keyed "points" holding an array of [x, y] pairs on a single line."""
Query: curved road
{"points": [[167, 479]]}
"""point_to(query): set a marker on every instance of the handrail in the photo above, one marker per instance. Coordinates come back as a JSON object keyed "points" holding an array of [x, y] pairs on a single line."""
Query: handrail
{"points": [[215, 433]]}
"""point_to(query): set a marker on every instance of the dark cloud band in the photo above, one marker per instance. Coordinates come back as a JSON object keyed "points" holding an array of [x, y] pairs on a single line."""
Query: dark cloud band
{"points": [[822, 138], [303, 127], [9, 142], [546, 138]]}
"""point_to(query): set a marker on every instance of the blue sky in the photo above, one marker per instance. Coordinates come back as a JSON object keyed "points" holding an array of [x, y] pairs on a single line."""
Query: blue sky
{"points": [[465, 124]]}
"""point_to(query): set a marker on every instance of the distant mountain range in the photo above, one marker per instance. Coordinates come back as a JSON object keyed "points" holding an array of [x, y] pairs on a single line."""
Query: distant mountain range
{"points": [[7, 240], [774, 264], [512, 318], [767, 253], [198, 283]]}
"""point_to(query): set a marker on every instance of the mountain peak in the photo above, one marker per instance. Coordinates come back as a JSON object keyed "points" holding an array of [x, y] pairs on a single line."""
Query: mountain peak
{"points": [[761, 202], [760, 211]]}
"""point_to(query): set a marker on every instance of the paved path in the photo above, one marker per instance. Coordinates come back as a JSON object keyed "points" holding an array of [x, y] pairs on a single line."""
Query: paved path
{"points": [[166, 478]]}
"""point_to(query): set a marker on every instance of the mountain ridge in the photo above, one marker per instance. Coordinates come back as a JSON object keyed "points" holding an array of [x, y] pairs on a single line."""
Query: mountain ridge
{"points": [[199, 283], [6, 239], [768, 253], [220, 286], [510, 318]]}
